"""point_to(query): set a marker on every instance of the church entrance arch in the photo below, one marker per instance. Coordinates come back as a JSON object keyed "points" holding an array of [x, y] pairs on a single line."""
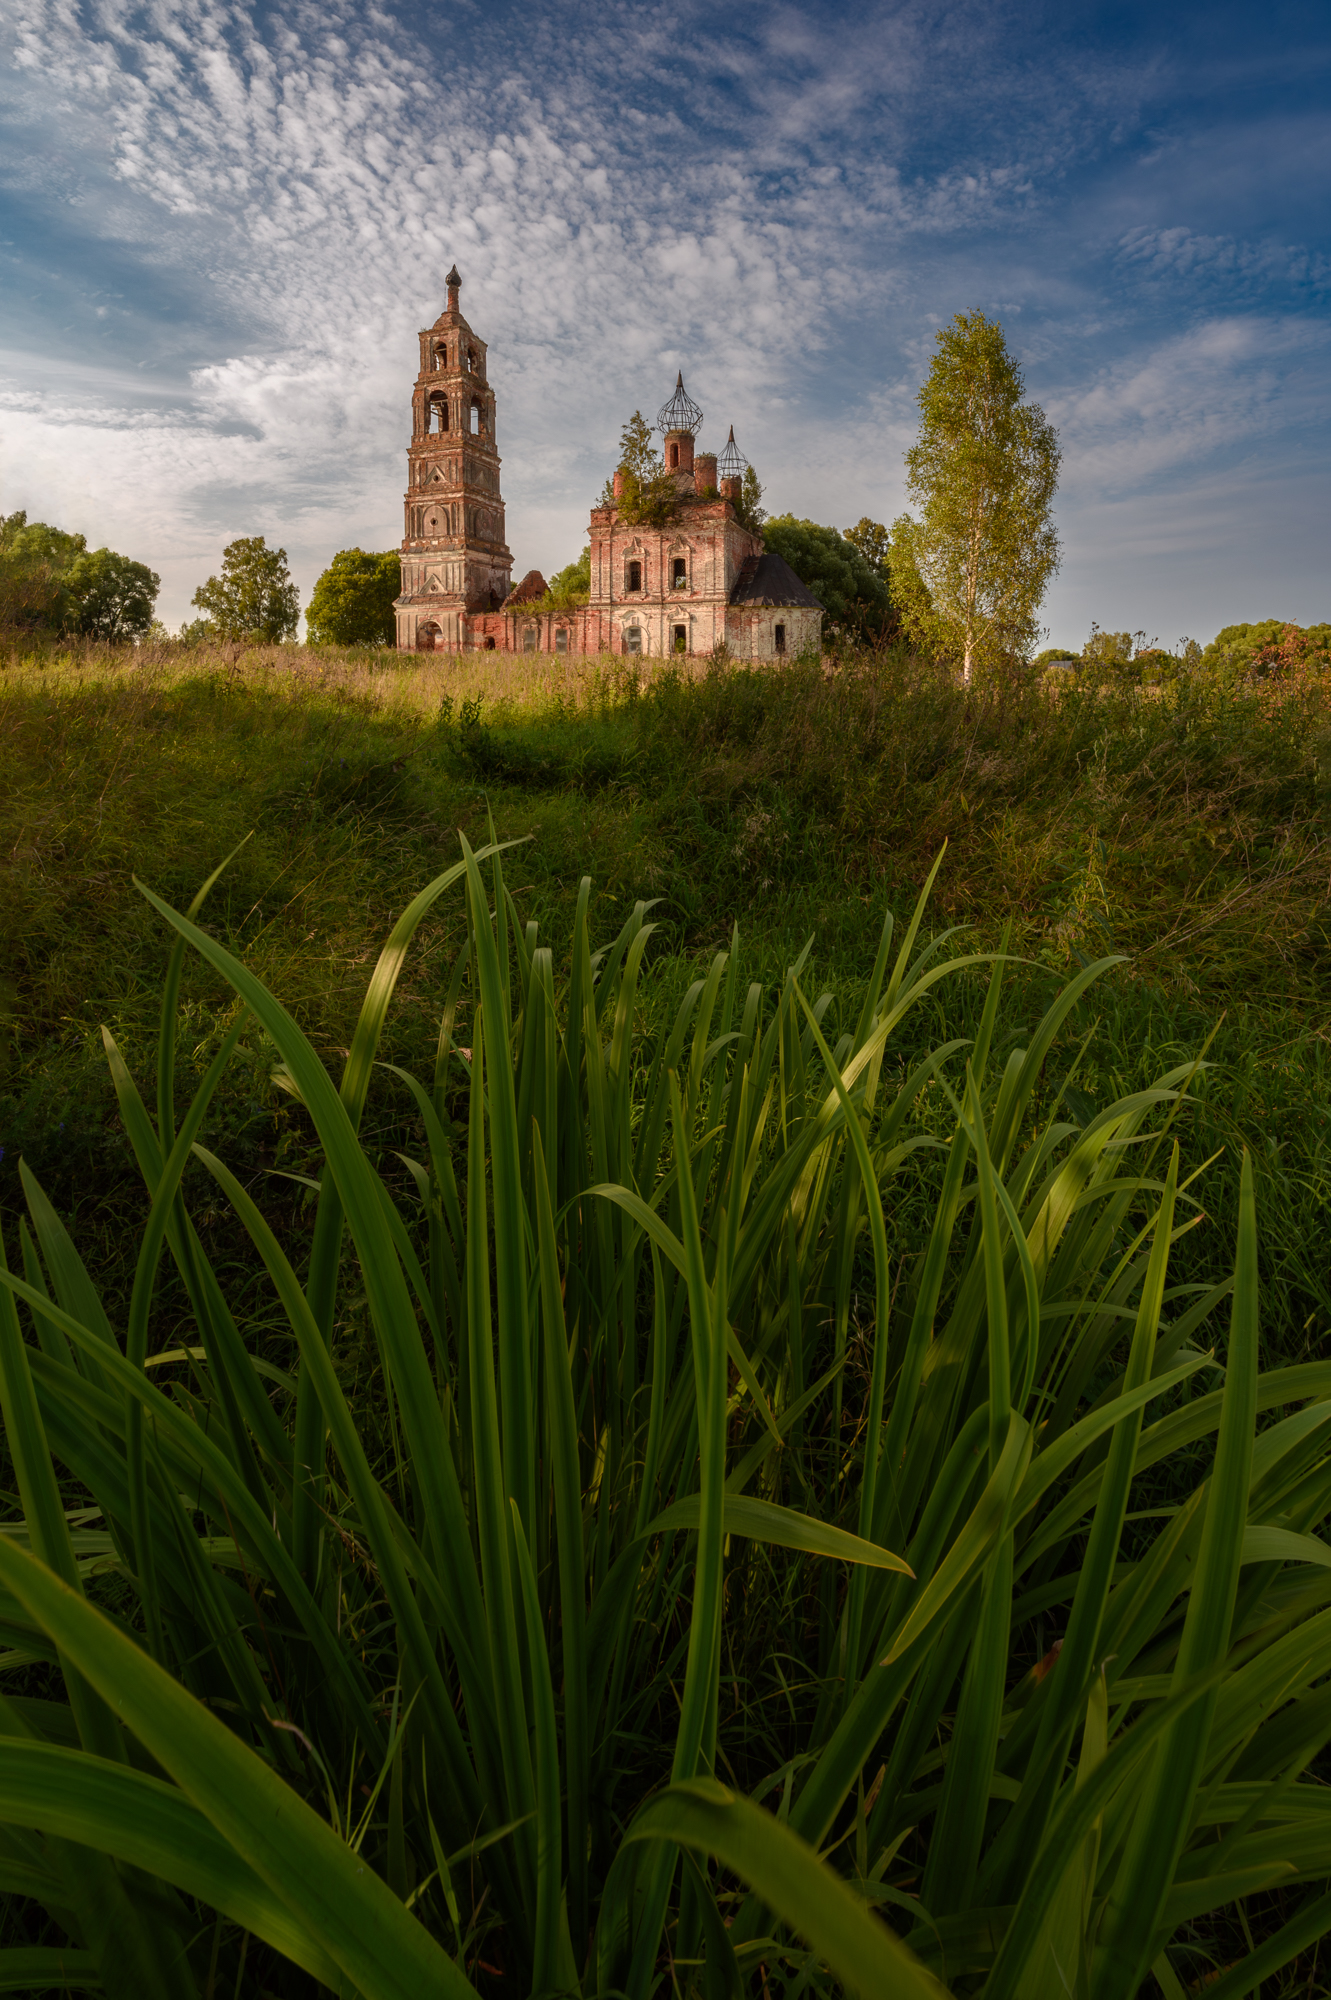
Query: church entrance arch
{"points": [[428, 637]]}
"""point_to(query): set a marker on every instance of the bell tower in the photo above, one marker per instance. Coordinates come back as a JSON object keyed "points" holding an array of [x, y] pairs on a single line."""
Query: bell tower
{"points": [[454, 556]]}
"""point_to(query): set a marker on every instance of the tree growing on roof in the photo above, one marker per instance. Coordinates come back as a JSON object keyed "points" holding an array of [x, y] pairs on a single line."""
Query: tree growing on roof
{"points": [[648, 495], [983, 472]]}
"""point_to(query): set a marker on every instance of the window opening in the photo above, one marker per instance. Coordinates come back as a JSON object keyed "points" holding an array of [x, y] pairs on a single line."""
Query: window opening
{"points": [[679, 573], [681, 638], [477, 420], [529, 640], [489, 645], [561, 641], [633, 577], [632, 639], [780, 638], [674, 456]]}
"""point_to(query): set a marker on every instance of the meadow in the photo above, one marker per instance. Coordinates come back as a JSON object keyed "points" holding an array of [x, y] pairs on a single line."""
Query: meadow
{"points": [[801, 1280]]}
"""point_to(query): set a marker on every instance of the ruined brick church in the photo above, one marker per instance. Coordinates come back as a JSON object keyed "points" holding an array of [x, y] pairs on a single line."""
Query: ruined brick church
{"points": [[701, 580]]}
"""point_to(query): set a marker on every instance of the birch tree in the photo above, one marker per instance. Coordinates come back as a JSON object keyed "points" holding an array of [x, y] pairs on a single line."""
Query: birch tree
{"points": [[982, 473]]}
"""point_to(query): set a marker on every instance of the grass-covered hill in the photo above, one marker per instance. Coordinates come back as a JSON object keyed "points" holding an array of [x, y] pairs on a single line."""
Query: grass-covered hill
{"points": [[1184, 828]]}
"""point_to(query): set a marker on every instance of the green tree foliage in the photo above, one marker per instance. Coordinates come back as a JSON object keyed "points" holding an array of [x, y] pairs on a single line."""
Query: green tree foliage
{"points": [[873, 541], [1271, 644], [573, 584], [109, 596], [749, 507], [982, 472], [352, 602], [650, 496], [34, 560], [1053, 655], [254, 598], [1129, 658], [853, 593]]}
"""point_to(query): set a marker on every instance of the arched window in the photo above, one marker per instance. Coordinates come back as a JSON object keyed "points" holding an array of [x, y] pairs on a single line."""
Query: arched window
{"points": [[632, 639], [441, 356], [477, 417], [633, 576], [674, 456], [679, 573]]}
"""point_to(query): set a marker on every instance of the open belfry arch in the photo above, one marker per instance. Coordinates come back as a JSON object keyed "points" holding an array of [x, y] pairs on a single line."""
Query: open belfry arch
{"points": [[699, 581]]}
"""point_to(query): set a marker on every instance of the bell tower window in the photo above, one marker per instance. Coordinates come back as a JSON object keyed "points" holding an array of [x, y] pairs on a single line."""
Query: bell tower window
{"points": [[477, 417]]}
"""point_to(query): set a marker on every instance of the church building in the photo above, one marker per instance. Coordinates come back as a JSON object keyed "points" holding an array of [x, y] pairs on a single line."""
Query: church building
{"points": [[700, 581]]}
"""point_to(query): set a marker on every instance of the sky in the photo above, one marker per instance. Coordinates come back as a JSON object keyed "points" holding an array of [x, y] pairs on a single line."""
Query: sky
{"points": [[223, 223]]}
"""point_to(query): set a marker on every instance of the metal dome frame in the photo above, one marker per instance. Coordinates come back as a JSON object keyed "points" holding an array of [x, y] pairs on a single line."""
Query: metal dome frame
{"points": [[732, 463], [681, 413]]}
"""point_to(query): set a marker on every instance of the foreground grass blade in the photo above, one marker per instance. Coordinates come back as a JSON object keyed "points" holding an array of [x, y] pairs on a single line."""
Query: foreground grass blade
{"points": [[151, 1826], [363, 1927], [788, 1876], [1162, 1817]]}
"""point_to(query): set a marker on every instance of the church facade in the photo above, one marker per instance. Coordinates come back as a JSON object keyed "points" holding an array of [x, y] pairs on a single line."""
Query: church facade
{"points": [[700, 581]]}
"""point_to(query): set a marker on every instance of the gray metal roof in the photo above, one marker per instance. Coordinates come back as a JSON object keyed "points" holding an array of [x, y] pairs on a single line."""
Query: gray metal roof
{"points": [[769, 579]]}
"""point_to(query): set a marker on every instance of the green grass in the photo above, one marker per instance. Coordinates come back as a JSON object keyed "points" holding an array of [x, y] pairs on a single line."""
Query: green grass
{"points": [[1181, 831], [1185, 830]]}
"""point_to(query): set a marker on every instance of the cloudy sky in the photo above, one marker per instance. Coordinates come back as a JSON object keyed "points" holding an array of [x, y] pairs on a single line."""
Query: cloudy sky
{"points": [[222, 224]]}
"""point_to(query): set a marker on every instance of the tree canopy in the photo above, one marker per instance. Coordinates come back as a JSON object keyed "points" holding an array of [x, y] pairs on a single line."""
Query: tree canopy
{"points": [[976, 563], [254, 597], [649, 495], [352, 602], [51, 579], [1267, 645], [854, 594], [110, 596]]}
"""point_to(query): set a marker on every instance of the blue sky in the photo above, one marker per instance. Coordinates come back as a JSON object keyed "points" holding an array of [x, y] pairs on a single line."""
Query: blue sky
{"points": [[222, 224]]}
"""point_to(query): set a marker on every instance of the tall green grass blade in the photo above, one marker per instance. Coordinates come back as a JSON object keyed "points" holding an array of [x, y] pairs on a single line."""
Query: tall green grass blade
{"points": [[1161, 1820], [863, 1954], [362, 1926]]}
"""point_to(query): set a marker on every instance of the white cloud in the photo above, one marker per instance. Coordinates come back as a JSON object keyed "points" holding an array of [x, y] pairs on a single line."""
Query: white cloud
{"points": [[625, 194]]}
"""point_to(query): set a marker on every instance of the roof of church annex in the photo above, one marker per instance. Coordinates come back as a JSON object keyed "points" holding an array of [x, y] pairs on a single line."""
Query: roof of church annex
{"points": [[769, 579], [532, 588]]}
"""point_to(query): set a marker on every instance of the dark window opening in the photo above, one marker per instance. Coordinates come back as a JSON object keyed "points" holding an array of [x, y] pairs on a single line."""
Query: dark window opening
{"points": [[780, 638], [674, 456], [632, 640], [681, 638], [633, 577], [679, 573], [489, 645]]}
